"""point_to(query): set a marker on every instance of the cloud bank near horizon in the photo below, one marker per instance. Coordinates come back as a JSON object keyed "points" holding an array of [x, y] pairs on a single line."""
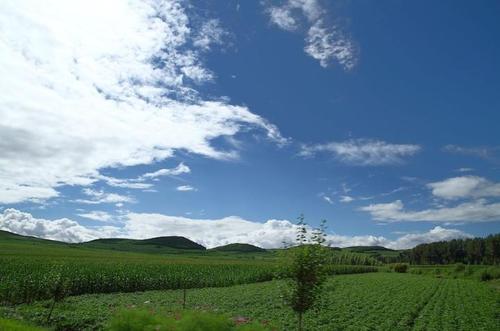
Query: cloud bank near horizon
{"points": [[207, 232]]}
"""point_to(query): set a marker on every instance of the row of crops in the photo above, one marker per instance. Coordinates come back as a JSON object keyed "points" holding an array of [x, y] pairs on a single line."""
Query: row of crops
{"points": [[27, 280], [377, 301]]}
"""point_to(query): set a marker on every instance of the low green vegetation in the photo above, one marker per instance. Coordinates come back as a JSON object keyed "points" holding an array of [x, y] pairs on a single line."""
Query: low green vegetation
{"points": [[140, 320], [400, 267], [31, 267], [84, 287], [10, 325], [474, 272], [373, 301]]}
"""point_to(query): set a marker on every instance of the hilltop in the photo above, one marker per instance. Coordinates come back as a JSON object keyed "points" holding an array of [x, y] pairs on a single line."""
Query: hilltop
{"points": [[239, 247]]}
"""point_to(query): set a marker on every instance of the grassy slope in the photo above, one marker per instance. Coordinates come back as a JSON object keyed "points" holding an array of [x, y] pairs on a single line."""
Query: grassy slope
{"points": [[374, 251], [380, 301], [238, 247], [15, 246]]}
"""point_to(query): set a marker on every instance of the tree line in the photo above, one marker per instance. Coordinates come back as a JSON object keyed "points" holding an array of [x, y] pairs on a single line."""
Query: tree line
{"points": [[468, 251]]}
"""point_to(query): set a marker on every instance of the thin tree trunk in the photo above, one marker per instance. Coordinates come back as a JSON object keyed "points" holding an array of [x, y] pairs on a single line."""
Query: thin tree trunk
{"points": [[300, 321], [51, 310], [184, 298]]}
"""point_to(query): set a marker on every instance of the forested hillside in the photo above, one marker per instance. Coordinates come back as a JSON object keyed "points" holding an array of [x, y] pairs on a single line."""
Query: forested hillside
{"points": [[468, 251]]}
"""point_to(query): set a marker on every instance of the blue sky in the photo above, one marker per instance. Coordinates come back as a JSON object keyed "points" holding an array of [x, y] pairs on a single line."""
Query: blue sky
{"points": [[380, 117]]}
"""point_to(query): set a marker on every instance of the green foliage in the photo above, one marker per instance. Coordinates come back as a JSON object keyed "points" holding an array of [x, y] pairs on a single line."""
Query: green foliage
{"points": [[476, 272], [143, 320], [468, 251], [305, 268], [10, 325], [33, 279], [486, 276], [401, 267], [373, 301]]}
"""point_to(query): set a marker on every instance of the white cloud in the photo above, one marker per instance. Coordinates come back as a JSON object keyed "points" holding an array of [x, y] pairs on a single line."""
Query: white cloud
{"points": [[180, 169], [88, 85], [346, 199], [210, 233], [491, 153], [282, 17], [465, 187], [476, 211], [185, 188], [210, 34], [327, 199], [464, 169], [99, 196], [125, 183], [436, 234], [97, 215], [60, 229], [364, 152], [138, 183], [325, 42]]}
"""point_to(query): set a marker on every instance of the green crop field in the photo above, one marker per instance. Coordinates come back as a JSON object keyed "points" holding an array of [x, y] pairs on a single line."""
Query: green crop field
{"points": [[237, 281], [30, 269], [376, 301]]}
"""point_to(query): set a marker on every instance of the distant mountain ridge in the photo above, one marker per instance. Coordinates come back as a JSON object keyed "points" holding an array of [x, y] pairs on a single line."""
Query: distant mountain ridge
{"points": [[239, 247], [158, 243]]}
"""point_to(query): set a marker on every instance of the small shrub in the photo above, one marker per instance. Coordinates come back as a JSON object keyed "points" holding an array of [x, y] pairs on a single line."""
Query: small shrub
{"points": [[142, 320], [459, 267], [401, 267], [486, 276], [305, 266]]}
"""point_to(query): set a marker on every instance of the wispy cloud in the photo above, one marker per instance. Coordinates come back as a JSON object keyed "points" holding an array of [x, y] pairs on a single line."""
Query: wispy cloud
{"points": [[346, 199], [363, 152], [325, 41], [99, 196], [89, 86], [180, 169], [97, 215], [186, 188], [491, 153]]}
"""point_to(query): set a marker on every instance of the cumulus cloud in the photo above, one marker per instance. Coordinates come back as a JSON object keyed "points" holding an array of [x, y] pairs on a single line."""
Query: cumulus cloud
{"points": [[465, 187], [325, 41], [436, 234], [363, 152], [60, 229], [475, 211], [185, 188], [97, 215], [208, 232], [88, 85]]}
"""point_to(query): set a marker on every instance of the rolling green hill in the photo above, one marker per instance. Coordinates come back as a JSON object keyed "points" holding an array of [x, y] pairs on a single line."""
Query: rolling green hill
{"points": [[238, 247], [154, 245]]}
